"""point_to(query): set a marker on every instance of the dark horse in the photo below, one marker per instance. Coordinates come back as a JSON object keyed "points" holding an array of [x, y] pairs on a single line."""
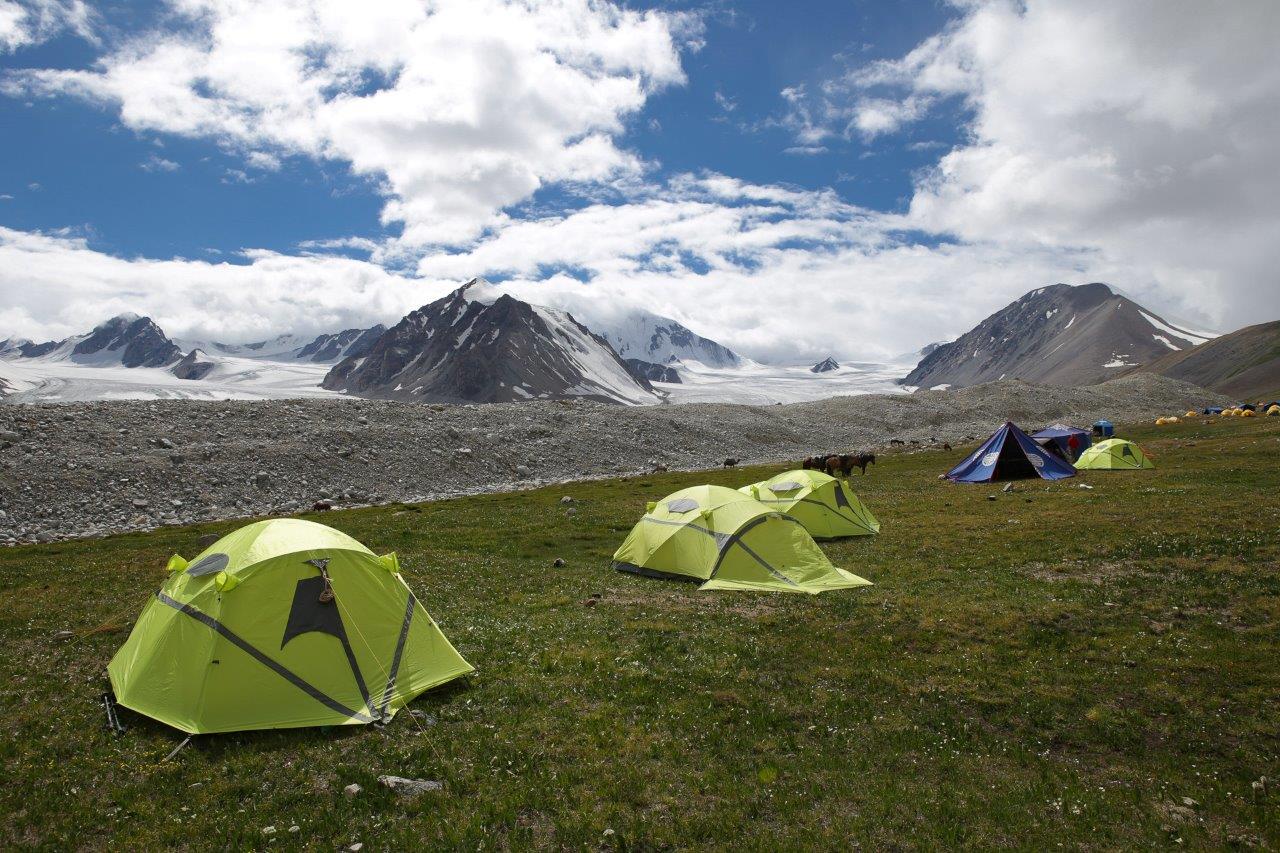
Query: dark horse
{"points": [[842, 464]]}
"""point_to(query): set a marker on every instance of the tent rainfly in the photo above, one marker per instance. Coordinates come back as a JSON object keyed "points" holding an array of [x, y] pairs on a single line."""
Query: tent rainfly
{"points": [[1058, 439], [827, 507], [281, 624], [1114, 454], [1009, 454], [724, 539]]}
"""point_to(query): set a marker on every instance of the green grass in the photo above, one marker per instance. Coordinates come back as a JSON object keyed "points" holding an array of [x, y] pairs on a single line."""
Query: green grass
{"points": [[1059, 666]]}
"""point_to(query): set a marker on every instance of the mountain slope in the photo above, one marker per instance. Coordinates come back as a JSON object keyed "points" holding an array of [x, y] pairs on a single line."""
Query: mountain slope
{"points": [[1057, 335], [126, 340], [649, 337], [1244, 363], [463, 349]]}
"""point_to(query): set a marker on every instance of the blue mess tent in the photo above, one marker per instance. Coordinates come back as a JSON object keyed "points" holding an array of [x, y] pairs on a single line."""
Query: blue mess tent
{"points": [[1057, 438], [1010, 454]]}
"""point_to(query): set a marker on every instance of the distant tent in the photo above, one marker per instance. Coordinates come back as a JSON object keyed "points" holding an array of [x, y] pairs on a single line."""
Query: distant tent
{"points": [[1114, 454], [727, 540], [1010, 454], [827, 507], [1104, 428], [1213, 410], [281, 624], [1058, 437]]}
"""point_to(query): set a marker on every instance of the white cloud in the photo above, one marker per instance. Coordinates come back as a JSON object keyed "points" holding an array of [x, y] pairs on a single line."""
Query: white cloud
{"points": [[159, 164], [456, 109], [30, 22], [54, 285], [1144, 131]]}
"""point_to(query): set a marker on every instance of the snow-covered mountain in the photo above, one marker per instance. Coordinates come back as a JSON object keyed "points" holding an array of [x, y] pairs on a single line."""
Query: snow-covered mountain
{"points": [[480, 347], [1056, 335], [126, 340], [648, 337], [827, 365], [330, 347]]}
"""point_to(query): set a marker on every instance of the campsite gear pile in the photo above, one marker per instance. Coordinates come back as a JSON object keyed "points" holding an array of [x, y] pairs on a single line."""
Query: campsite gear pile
{"points": [[281, 624], [759, 537]]}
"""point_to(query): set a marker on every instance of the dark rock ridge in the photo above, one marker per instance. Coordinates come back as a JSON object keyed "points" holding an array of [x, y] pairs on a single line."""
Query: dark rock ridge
{"points": [[827, 365], [349, 343], [463, 350], [1057, 335], [655, 372], [139, 341], [194, 365], [1245, 363]]}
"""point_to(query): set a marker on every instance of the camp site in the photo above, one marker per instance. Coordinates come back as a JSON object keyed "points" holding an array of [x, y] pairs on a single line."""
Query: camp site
{"points": [[639, 425], [1088, 660]]}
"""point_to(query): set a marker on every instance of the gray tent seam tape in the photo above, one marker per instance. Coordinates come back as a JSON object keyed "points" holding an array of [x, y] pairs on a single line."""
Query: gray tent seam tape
{"points": [[395, 659]]}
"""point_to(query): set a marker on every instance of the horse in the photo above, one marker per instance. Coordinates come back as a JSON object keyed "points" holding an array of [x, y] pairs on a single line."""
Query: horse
{"points": [[844, 463], [731, 463]]}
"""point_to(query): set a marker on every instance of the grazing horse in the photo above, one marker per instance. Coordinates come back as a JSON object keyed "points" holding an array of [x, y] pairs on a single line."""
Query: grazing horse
{"points": [[731, 463], [846, 462]]}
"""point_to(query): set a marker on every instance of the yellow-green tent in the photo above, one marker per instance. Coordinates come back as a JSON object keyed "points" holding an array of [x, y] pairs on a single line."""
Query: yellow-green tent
{"points": [[1114, 454], [281, 624], [728, 540], [827, 507]]}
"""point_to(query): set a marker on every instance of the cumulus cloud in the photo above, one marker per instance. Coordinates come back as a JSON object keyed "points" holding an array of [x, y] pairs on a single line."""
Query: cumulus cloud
{"points": [[54, 285], [1143, 131], [30, 22], [1128, 143], [456, 109]]}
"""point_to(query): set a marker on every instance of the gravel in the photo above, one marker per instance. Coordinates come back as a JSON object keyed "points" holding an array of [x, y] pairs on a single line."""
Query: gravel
{"points": [[89, 469]]}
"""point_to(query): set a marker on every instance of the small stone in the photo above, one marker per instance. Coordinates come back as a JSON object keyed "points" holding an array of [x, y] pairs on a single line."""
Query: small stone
{"points": [[409, 787], [355, 847], [353, 789], [558, 563], [991, 497], [566, 500], [139, 503], [1008, 487], [63, 635], [590, 602]]}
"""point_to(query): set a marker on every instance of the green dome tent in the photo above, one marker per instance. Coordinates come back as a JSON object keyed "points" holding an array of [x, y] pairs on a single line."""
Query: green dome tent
{"points": [[728, 540], [1114, 454], [827, 507], [281, 624]]}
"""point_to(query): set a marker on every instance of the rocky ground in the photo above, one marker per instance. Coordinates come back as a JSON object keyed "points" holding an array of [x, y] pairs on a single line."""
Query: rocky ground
{"points": [[88, 469]]}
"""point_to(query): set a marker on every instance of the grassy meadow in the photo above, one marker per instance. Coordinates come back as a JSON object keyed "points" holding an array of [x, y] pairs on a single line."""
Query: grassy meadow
{"points": [[1058, 667]]}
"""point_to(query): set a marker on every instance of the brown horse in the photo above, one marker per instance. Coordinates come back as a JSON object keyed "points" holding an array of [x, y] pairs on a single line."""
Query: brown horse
{"points": [[844, 463]]}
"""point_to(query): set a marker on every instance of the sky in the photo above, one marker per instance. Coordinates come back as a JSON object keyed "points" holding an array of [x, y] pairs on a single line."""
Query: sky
{"points": [[794, 180]]}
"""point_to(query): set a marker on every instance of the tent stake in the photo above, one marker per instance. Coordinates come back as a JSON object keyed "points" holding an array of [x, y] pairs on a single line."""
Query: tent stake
{"points": [[177, 748]]}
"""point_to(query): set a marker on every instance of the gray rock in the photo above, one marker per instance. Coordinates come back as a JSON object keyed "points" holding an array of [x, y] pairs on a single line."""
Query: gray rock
{"points": [[410, 787]]}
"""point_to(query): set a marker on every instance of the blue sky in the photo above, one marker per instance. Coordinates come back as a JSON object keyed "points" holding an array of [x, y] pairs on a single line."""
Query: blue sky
{"points": [[97, 176], [876, 175]]}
